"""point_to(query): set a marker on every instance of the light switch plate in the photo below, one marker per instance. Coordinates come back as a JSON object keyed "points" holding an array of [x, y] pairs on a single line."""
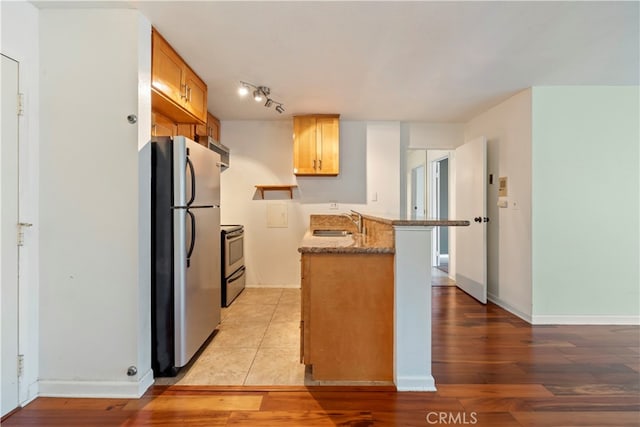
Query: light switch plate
{"points": [[502, 186]]}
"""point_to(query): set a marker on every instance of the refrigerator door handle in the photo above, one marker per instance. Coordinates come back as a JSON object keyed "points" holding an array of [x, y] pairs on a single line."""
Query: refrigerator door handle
{"points": [[192, 243], [193, 181]]}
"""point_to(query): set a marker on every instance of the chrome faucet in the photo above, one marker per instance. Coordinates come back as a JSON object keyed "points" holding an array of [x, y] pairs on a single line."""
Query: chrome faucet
{"points": [[357, 221]]}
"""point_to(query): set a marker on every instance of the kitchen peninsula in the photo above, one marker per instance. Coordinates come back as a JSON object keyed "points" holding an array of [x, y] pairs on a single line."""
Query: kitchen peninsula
{"points": [[366, 299]]}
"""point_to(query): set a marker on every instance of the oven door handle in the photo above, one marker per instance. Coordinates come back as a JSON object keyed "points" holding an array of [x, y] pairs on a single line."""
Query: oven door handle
{"points": [[233, 234], [237, 275]]}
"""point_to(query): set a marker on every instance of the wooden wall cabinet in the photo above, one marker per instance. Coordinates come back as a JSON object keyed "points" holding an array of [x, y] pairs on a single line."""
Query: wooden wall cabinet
{"points": [[162, 125], [316, 144], [176, 91], [346, 329], [210, 130]]}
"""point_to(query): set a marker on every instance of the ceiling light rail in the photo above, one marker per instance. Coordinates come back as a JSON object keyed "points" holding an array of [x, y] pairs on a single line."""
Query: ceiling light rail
{"points": [[259, 94]]}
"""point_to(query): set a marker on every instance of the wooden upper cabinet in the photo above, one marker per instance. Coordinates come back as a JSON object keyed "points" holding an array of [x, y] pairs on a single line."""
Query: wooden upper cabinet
{"points": [[167, 69], [196, 95], [316, 144], [210, 130], [162, 126], [176, 91]]}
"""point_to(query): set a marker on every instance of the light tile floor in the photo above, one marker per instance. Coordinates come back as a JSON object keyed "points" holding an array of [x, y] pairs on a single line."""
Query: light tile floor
{"points": [[258, 343]]}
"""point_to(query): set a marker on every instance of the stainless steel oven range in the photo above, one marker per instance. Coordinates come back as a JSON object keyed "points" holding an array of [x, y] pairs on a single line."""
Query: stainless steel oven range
{"points": [[233, 270]]}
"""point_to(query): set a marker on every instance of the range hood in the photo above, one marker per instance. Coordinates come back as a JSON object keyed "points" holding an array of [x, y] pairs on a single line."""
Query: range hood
{"points": [[221, 149]]}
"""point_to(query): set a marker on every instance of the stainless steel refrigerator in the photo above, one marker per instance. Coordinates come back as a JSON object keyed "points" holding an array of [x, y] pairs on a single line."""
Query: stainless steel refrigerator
{"points": [[185, 250]]}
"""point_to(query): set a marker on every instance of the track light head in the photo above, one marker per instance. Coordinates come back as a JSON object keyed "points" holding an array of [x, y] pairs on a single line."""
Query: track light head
{"points": [[260, 92], [243, 90]]}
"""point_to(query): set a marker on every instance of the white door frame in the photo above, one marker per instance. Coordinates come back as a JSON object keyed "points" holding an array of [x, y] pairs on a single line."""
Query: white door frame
{"points": [[9, 234], [434, 204]]}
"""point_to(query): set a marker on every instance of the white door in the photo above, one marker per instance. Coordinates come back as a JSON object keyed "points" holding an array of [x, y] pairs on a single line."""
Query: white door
{"points": [[471, 205], [8, 233], [417, 192]]}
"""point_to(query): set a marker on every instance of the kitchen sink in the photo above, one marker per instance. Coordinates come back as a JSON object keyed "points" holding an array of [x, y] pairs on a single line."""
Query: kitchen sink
{"points": [[331, 233]]}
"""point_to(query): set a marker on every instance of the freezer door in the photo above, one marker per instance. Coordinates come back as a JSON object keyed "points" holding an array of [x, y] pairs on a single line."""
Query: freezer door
{"points": [[197, 280], [196, 174]]}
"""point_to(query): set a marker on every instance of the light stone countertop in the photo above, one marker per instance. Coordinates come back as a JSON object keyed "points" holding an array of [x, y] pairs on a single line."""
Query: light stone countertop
{"points": [[349, 244], [423, 222], [378, 237]]}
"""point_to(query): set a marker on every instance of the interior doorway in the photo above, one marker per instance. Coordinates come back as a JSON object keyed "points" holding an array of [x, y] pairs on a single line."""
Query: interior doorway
{"points": [[429, 192], [440, 203]]}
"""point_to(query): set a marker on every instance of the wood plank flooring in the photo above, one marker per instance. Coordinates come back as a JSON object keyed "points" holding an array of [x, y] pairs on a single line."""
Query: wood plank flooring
{"points": [[491, 369]]}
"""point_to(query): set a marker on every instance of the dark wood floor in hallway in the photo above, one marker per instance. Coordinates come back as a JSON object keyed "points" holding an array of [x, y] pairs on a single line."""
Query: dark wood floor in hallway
{"points": [[491, 369]]}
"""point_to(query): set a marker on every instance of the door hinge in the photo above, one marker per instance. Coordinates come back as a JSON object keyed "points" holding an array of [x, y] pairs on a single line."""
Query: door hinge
{"points": [[20, 104], [20, 365], [21, 227]]}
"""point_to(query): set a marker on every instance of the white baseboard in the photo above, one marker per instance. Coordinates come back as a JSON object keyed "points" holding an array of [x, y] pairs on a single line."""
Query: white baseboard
{"points": [[545, 319], [103, 389], [415, 383], [562, 319], [32, 394], [511, 309]]}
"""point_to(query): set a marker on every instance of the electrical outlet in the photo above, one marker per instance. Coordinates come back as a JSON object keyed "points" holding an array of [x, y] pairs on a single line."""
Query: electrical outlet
{"points": [[333, 206]]}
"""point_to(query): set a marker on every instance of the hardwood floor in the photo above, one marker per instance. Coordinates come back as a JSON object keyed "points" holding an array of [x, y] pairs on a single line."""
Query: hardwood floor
{"points": [[491, 369]]}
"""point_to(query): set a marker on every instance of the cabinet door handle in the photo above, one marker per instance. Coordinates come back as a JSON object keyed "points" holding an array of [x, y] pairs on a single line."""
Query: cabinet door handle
{"points": [[183, 91], [314, 165], [189, 93], [320, 164]]}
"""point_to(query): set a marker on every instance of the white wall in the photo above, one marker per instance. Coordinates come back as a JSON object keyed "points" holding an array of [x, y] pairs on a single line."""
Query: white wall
{"points": [[19, 40], [507, 128], [383, 168], [586, 200], [435, 135], [262, 153], [93, 320]]}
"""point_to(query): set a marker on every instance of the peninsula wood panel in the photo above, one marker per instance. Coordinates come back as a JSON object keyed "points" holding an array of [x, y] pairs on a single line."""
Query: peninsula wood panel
{"points": [[348, 315]]}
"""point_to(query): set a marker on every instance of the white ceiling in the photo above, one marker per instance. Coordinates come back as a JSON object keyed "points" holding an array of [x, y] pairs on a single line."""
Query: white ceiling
{"points": [[388, 60]]}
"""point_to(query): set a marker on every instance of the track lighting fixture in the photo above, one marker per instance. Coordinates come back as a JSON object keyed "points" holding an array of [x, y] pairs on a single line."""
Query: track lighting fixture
{"points": [[259, 93]]}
